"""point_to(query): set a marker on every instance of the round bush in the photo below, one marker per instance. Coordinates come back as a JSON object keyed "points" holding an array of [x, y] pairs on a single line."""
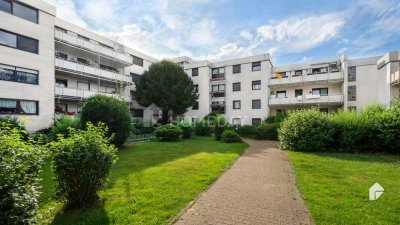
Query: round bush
{"points": [[20, 164], [168, 132], [308, 130], [111, 111], [203, 128], [81, 164], [267, 131], [219, 127], [186, 129], [230, 136]]}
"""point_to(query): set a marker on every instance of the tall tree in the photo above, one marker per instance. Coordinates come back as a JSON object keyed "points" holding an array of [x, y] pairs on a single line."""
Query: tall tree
{"points": [[166, 85]]}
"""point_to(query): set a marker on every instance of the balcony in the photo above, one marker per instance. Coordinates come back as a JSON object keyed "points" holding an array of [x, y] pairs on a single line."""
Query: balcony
{"points": [[395, 78], [89, 71], [76, 94], [310, 78], [334, 99], [218, 76], [96, 48]]}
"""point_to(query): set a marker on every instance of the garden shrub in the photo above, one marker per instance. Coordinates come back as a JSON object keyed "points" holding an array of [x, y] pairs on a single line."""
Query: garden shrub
{"points": [[246, 130], [211, 118], [168, 132], [389, 128], [13, 122], [186, 129], [278, 118], [267, 131], [308, 130], [230, 136], [203, 128], [20, 164], [81, 164], [111, 111], [61, 126], [219, 126]]}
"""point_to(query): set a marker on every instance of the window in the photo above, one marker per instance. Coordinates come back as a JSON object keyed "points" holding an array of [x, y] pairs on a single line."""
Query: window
{"points": [[138, 113], [24, 107], [83, 86], [283, 75], [20, 75], [136, 78], [334, 68], [195, 72], [255, 121], [83, 61], [236, 121], [25, 12], [320, 91], [18, 41], [63, 83], [352, 93], [61, 55], [318, 70], [195, 105], [324, 110], [106, 89], [256, 66], [298, 92], [61, 108], [19, 10], [236, 68], [5, 6], [236, 104], [137, 61], [298, 73], [236, 86], [218, 73], [256, 85], [256, 104], [196, 88], [109, 68], [218, 88], [352, 71], [281, 94]]}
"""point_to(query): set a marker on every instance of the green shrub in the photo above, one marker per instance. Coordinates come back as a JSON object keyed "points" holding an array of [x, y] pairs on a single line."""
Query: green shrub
{"points": [[308, 130], [168, 132], [62, 125], [13, 122], [186, 129], [389, 130], [267, 131], [278, 118], [230, 136], [111, 111], [203, 128], [219, 126], [211, 118], [81, 164], [246, 130], [20, 164]]}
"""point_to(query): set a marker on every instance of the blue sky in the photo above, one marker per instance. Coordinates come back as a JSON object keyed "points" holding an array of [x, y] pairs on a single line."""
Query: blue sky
{"points": [[291, 31]]}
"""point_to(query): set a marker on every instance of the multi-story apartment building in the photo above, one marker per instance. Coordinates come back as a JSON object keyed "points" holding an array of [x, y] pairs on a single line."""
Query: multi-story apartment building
{"points": [[48, 66]]}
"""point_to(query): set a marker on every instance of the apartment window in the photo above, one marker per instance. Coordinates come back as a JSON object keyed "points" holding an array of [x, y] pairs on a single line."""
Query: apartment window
{"points": [[298, 92], [236, 104], [236, 68], [281, 94], [137, 61], [352, 71], [19, 107], [283, 75], [84, 61], [109, 68], [20, 75], [20, 10], [83, 86], [255, 121], [216, 88], [196, 88], [320, 91], [136, 78], [324, 110], [236, 86], [138, 113], [256, 85], [352, 93], [61, 55], [256, 66], [319, 70], [195, 105], [256, 104], [195, 72], [236, 121], [63, 83], [19, 42], [298, 73], [106, 89], [218, 73], [61, 108], [334, 68]]}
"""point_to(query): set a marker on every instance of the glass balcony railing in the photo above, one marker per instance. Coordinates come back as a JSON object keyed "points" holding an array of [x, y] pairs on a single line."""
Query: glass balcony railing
{"points": [[332, 76], [334, 99], [76, 94]]}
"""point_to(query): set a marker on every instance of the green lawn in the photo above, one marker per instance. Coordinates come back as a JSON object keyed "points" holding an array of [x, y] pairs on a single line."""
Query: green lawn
{"points": [[150, 183], [336, 187]]}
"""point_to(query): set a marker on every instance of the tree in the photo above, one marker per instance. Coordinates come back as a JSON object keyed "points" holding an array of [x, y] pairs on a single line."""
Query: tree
{"points": [[168, 86], [111, 111]]}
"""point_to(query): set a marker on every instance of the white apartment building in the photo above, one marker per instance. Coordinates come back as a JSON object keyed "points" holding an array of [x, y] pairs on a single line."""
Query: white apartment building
{"points": [[48, 66]]}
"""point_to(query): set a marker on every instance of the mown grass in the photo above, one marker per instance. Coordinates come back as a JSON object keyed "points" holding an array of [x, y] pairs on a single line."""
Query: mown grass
{"points": [[336, 187], [150, 183]]}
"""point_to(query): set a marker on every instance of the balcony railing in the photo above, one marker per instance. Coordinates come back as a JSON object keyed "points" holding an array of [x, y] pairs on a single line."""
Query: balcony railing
{"points": [[90, 71], [334, 99], [333, 76], [81, 43], [395, 78], [76, 94], [218, 77]]}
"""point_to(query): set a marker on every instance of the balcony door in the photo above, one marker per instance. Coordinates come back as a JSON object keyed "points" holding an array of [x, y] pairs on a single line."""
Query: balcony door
{"points": [[83, 86]]}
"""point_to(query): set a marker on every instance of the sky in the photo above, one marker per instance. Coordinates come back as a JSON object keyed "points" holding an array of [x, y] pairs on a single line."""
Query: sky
{"points": [[292, 31]]}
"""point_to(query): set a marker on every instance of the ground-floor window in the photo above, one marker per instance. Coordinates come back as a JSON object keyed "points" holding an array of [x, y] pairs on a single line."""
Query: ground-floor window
{"points": [[324, 110], [255, 121], [18, 107], [236, 121]]}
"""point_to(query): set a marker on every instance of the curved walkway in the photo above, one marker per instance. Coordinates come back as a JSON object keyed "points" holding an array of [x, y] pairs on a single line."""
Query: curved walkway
{"points": [[259, 188]]}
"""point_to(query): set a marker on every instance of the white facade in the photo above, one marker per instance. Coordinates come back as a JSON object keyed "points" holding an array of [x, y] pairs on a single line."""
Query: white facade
{"points": [[48, 66]]}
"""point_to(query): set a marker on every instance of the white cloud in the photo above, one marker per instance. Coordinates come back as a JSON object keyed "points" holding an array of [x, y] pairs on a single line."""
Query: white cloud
{"points": [[246, 35], [66, 10]]}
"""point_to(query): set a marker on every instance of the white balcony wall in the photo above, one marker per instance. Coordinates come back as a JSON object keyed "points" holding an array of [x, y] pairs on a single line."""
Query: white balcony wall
{"points": [[76, 93], [306, 78], [307, 99]]}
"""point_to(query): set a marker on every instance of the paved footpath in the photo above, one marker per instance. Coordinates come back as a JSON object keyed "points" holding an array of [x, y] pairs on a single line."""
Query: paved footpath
{"points": [[259, 188]]}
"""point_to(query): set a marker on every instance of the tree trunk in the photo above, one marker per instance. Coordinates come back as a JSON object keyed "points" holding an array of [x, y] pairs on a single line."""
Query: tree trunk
{"points": [[165, 116]]}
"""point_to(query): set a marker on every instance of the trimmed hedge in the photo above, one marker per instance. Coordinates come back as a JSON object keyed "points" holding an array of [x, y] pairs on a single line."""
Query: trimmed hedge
{"points": [[246, 130], [203, 128], [267, 131], [168, 132], [230, 136]]}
